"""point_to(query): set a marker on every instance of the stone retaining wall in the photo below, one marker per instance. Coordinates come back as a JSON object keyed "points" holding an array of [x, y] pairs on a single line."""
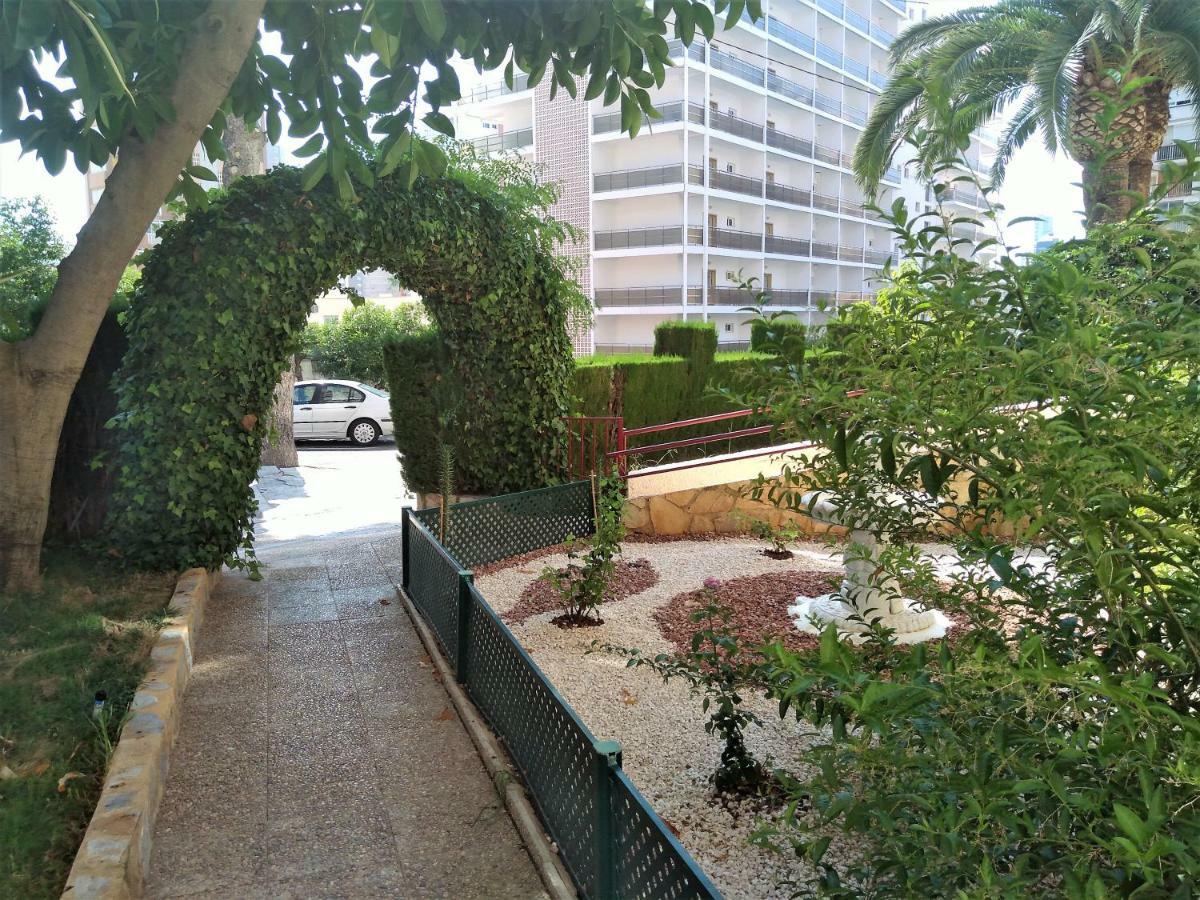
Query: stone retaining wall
{"points": [[723, 508], [115, 852]]}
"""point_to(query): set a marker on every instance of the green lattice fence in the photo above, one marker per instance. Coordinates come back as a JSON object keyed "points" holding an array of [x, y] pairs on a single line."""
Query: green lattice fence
{"points": [[479, 532], [610, 839]]}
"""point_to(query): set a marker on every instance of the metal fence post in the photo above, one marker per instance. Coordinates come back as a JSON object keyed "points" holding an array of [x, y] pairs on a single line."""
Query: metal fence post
{"points": [[405, 514], [465, 580], [607, 756]]}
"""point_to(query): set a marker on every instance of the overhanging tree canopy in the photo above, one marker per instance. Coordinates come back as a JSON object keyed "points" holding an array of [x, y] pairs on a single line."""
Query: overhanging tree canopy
{"points": [[145, 81], [221, 307]]}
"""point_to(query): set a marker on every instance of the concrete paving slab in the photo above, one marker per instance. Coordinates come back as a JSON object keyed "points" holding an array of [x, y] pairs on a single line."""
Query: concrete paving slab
{"points": [[320, 756]]}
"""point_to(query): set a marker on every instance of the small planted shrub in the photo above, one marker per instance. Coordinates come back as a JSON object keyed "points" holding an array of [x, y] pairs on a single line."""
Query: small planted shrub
{"points": [[777, 537], [721, 668], [584, 581]]}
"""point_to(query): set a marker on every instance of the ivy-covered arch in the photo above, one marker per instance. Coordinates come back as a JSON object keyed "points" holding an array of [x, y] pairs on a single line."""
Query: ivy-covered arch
{"points": [[225, 295]]}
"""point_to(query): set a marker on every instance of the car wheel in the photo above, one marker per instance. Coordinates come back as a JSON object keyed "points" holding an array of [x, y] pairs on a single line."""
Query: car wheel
{"points": [[364, 433]]}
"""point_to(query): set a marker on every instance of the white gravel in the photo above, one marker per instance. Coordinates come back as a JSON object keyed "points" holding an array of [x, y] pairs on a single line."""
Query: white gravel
{"points": [[661, 726]]}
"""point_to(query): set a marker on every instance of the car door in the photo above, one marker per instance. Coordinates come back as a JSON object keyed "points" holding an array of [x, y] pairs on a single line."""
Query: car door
{"points": [[303, 397], [337, 406]]}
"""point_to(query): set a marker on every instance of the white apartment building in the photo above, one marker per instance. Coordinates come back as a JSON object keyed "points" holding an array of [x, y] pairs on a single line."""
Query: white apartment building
{"points": [[747, 173], [1185, 126]]}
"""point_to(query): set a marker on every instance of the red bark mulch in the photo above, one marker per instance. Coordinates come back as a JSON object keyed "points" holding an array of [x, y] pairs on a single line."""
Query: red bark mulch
{"points": [[758, 604], [630, 578]]}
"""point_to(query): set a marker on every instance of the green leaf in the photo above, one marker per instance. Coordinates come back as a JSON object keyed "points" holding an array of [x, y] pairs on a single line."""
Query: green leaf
{"points": [[314, 172], [440, 123], [432, 16]]}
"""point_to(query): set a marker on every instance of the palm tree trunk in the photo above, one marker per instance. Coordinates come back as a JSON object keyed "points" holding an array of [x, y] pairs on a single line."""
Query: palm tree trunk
{"points": [[1104, 187], [1141, 168]]}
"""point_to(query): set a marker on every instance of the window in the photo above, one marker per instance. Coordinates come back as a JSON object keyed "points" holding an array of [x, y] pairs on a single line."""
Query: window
{"points": [[712, 277], [770, 226], [767, 280], [712, 163], [373, 390], [712, 104], [729, 221], [729, 168], [303, 393], [712, 220], [770, 177], [341, 393], [728, 326], [770, 124]]}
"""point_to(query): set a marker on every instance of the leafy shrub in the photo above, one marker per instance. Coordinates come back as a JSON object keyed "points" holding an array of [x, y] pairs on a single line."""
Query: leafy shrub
{"points": [[582, 586], [30, 249], [352, 347], [721, 668], [778, 334], [1054, 746], [777, 536]]}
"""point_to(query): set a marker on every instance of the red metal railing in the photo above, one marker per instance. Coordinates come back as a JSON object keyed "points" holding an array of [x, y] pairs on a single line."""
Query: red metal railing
{"points": [[597, 442]]}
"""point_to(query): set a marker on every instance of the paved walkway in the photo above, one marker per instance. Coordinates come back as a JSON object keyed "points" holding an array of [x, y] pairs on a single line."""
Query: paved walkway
{"points": [[319, 756]]}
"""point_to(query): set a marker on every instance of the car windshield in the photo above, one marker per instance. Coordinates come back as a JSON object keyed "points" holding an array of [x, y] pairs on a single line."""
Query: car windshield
{"points": [[374, 390]]}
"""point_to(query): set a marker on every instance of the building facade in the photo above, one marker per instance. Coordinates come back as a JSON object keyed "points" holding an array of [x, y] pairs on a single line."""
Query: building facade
{"points": [[747, 174], [1185, 126]]}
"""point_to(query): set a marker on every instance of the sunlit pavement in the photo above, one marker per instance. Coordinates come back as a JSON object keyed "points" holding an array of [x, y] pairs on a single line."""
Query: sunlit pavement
{"points": [[337, 491]]}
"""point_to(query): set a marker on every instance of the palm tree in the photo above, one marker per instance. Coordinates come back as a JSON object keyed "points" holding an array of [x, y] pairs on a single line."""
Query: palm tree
{"points": [[1061, 66]]}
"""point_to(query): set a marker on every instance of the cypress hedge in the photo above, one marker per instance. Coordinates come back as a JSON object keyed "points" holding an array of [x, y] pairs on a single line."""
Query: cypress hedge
{"points": [[694, 341], [414, 364]]}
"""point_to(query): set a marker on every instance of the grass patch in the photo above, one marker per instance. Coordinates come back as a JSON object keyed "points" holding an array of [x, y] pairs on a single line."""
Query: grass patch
{"points": [[89, 629]]}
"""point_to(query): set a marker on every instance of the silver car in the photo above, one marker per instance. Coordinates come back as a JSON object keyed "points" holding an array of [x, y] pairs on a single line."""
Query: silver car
{"points": [[333, 410]]}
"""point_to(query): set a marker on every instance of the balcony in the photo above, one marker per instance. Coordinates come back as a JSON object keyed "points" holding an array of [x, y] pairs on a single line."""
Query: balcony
{"points": [[735, 240], [727, 62], [1171, 152], [729, 296], [825, 251], [875, 257], [963, 195], [605, 123], [878, 79], [851, 208], [509, 140], [786, 297], [881, 34], [790, 89], [792, 35], [734, 125], [660, 295], [786, 194], [630, 179], [787, 245], [828, 54], [637, 238], [781, 140], [854, 67], [827, 202], [499, 89], [727, 181]]}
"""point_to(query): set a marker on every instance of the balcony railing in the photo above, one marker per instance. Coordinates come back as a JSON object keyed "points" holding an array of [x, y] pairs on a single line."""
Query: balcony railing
{"points": [[497, 89], [791, 89], [605, 123], [825, 251], [963, 195], [826, 202], [878, 79], [828, 54], [635, 238], [791, 34], [727, 62], [1171, 152], [734, 125], [790, 246], [509, 140], [786, 297], [729, 296], [787, 194], [875, 257], [660, 295], [854, 67], [735, 240], [738, 184], [629, 179]]}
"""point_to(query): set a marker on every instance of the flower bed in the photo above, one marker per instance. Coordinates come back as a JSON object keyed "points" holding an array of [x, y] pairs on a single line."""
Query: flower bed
{"points": [[660, 726]]}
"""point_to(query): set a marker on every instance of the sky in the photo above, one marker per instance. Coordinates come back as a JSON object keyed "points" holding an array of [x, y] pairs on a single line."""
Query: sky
{"points": [[1038, 184]]}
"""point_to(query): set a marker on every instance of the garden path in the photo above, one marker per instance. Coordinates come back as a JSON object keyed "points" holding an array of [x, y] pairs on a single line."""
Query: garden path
{"points": [[319, 755]]}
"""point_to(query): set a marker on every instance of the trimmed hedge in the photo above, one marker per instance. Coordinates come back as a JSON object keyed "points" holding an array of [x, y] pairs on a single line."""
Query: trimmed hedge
{"points": [[694, 341], [413, 364], [650, 390]]}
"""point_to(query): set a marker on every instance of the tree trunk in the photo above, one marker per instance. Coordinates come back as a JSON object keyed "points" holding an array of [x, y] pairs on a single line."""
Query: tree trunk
{"points": [[1104, 187], [281, 449], [38, 374], [246, 148], [1141, 169]]}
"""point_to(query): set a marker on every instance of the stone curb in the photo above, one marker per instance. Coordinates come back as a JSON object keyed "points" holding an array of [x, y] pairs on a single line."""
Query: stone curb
{"points": [[554, 875], [115, 852]]}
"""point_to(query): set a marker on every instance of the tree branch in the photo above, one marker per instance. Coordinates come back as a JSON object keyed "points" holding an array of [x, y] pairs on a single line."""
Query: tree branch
{"points": [[142, 178]]}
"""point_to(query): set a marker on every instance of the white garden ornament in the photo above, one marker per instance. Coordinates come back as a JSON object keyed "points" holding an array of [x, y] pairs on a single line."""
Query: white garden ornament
{"points": [[864, 596]]}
